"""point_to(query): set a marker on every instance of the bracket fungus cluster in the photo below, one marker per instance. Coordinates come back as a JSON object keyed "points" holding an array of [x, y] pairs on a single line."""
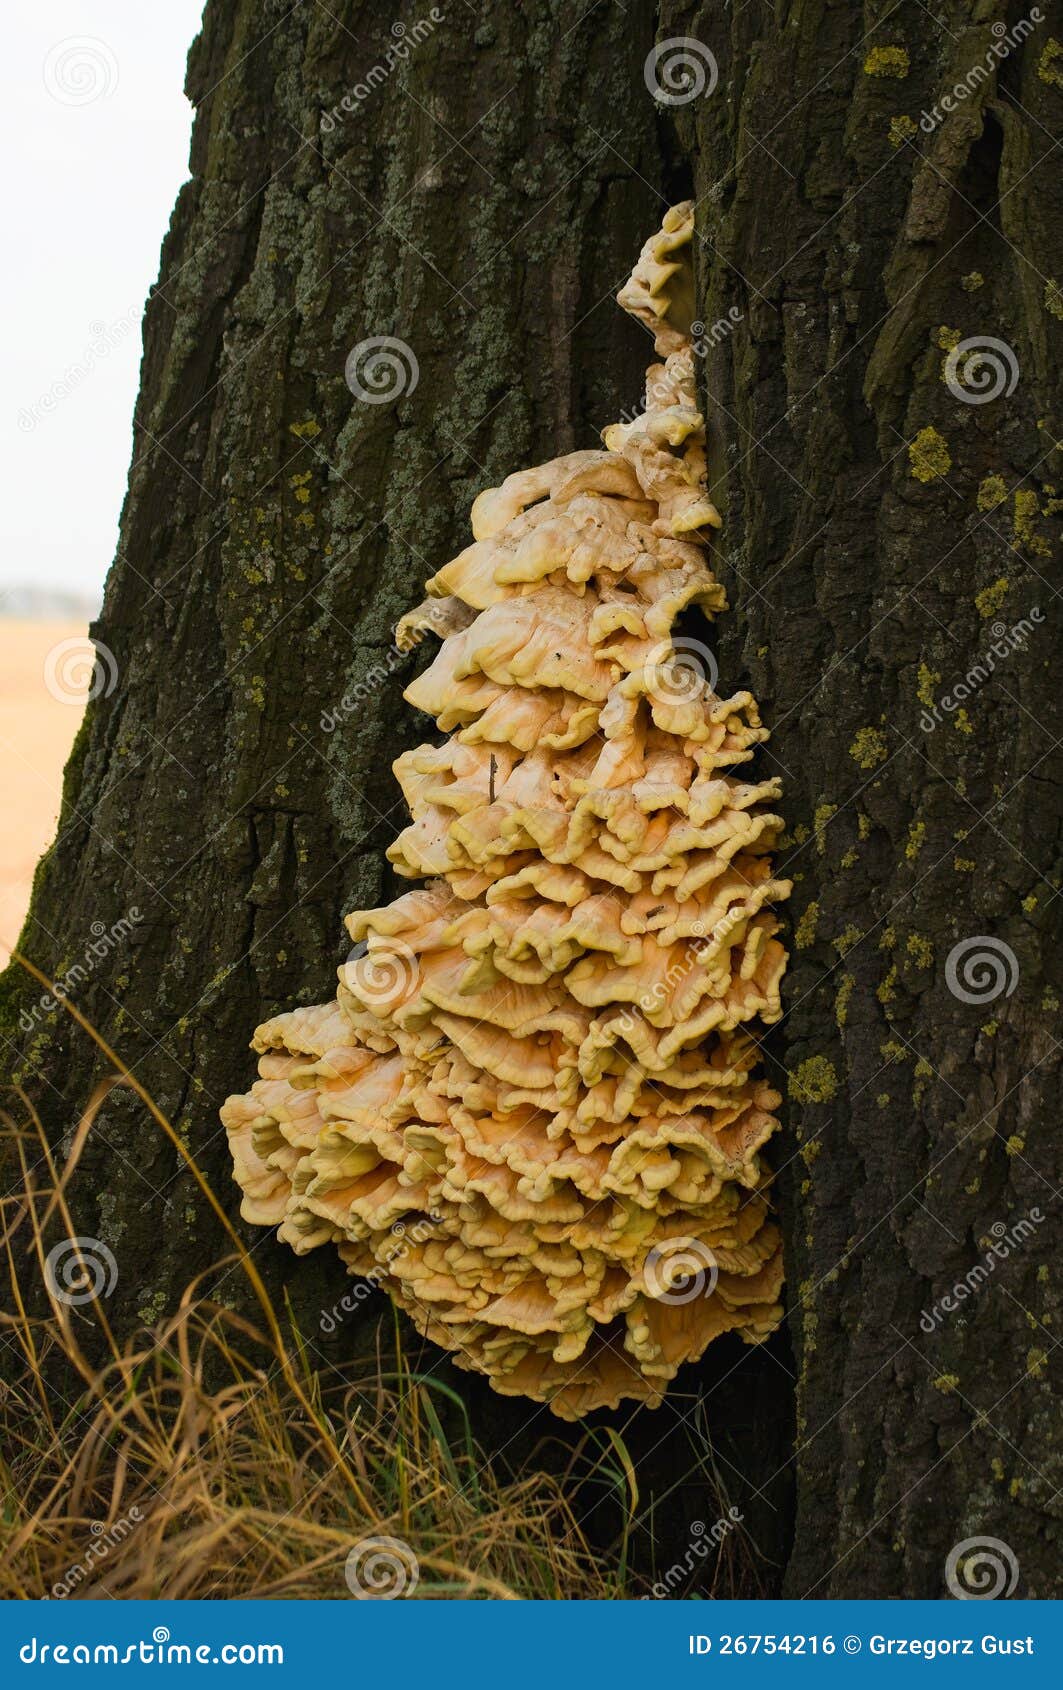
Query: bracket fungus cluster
{"points": [[532, 1111]]}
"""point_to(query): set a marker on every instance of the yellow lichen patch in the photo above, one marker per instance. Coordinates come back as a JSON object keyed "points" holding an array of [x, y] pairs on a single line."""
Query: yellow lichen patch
{"points": [[532, 1111], [823, 814], [946, 1383], [920, 949], [928, 455], [305, 430], [962, 722], [813, 1081], [992, 492], [915, 841], [1029, 903], [901, 129], [973, 280], [869, 748], [1050, 64], [1015, 1145], [1027, 510], [805, 932], [1054, 298], [847, 939], [990, 599], [841, 1001], [887, 61], [928, 680]]}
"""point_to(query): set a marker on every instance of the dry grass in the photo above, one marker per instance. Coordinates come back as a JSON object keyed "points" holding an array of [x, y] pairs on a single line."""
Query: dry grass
{"points": [[206, 1458]]}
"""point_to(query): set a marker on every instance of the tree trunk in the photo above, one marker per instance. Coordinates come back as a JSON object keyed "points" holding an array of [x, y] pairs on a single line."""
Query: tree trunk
{"points": [[480, 200], [871, 565]]}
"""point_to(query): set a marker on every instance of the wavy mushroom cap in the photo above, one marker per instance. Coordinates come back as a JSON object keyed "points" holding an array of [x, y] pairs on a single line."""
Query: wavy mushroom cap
{"points": [[532, 1111]]}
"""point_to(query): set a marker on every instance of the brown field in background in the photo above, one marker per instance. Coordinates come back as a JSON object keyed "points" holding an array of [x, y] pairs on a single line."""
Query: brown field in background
{"points": [[37, 728]]}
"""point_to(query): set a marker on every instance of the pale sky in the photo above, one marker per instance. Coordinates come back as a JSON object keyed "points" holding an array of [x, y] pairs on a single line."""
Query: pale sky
{"points": [[95, 130]]}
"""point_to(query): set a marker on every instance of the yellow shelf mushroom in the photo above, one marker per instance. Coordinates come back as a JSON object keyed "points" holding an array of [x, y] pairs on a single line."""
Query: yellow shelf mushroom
{"points": [[531, 1112]]}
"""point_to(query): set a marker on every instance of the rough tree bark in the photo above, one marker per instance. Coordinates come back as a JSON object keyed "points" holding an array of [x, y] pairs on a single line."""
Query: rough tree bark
{"points": [[482, 203]]}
